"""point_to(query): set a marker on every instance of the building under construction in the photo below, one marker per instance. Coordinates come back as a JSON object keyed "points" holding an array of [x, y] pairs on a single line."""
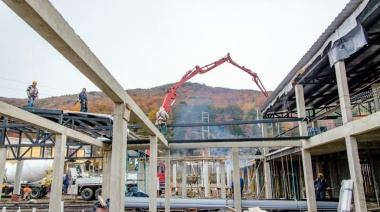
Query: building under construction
{"points": [[331, 100]]}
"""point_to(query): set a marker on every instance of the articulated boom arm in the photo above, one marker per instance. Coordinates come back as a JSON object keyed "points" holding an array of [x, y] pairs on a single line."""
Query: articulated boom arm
{"points": [[171, 96]]}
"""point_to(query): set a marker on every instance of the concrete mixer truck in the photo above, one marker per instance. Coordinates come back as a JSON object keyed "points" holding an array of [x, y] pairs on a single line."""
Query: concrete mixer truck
{"points": [[36, 174]]}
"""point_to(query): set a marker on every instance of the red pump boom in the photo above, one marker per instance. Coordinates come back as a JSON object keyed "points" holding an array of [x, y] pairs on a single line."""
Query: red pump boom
{"points": [[171, 96]]}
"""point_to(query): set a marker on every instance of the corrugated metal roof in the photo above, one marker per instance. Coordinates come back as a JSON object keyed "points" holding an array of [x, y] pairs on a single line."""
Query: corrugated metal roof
{"points": [[318, 44]]}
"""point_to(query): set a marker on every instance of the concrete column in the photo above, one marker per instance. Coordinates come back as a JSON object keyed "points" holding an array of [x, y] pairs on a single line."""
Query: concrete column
{"points": [[141, 175], [119, 153], [153, 174], [175, 178], [249, 181], [306, 156], [217, 176], [258, 187], [17, 184], [59, 163], [147, 175], [267, 171], [351, 143], [223, 179], [184, 190], [167, 180], [376, 95], [106, 181], [344, 95], [206, 179], [229, 180], [3, 157], [236, 178]]}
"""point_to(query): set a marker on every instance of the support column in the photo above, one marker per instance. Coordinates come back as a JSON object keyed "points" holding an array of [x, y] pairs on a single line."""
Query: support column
{"points": [[3, 157], [217, 176], [141, 175], [236, 178], [119, 153], [167, 181], [206, 179], [267, 171], [153, 174], [106, 181], [249, 181], [229, 180], [223, 179], [19, 169], [59, 163], [184, 190], [175, 178], [147, 176], [258, 187], [351, 143], [306, 156]]}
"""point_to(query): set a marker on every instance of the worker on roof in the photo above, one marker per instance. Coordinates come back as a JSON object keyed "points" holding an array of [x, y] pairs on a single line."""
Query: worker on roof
{"points": [[83, 100], [320, 186], [161, 119], [32, 93]]}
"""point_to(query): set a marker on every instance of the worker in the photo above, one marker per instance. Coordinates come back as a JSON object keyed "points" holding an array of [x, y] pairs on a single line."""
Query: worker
{"points": [[32, 93], [66, 182], [27, 192], [83, 100], [320, 186], [241, 186], [161, 119]]}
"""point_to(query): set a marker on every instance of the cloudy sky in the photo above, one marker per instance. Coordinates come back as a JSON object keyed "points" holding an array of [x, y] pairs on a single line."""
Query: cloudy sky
{"points": [[150, 43]]}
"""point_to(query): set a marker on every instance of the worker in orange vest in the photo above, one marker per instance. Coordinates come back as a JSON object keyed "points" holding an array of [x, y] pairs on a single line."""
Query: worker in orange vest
{"points": [[27, 192]]}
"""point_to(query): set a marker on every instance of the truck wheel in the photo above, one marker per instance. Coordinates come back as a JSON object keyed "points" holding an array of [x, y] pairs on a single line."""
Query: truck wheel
{"points": [[98, 192], [35, 193], [87, 194]]}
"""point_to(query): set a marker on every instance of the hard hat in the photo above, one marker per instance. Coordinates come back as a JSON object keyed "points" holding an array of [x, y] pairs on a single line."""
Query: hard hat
{"points": [[320, 174], [34, 82]]}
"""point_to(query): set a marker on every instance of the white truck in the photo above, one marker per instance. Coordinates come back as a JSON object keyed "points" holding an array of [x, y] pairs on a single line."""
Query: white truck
{"points": [[90, 188], [35, 174]]}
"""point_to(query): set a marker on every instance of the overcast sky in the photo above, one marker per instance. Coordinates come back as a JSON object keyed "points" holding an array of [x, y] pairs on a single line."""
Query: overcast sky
{"points": [[150, 43]]}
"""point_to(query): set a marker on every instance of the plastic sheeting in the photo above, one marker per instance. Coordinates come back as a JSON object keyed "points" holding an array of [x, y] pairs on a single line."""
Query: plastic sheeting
{"points": [[348, 45]]}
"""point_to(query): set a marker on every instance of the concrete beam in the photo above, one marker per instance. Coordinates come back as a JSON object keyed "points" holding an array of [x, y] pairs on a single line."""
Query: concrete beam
{"points": [[353, 128], [49, 23], [15, 113], [236, 144]]}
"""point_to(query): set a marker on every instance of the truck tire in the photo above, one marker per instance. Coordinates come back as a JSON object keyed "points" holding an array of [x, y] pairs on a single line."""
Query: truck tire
{"points": [[98, 192], [87, 194], [35, 193]]}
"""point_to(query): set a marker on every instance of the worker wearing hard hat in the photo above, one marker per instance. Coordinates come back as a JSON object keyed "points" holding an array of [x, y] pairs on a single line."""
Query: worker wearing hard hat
{"points": [[320, 186], [161, 118], [32, 92]]}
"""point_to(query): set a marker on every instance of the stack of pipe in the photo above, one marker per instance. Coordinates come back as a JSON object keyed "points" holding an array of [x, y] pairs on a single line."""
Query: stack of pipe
{"points": [[139, 202]]}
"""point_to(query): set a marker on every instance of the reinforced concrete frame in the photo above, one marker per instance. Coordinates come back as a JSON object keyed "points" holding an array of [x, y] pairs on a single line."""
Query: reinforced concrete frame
{"points": [[45, 20]]}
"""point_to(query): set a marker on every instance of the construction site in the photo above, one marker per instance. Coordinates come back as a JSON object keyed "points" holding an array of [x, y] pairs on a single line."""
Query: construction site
{"points": [[320, 123]]}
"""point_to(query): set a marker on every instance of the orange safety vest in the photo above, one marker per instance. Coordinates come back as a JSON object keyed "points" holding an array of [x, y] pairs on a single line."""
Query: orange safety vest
{"points": [[27, 189]]}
